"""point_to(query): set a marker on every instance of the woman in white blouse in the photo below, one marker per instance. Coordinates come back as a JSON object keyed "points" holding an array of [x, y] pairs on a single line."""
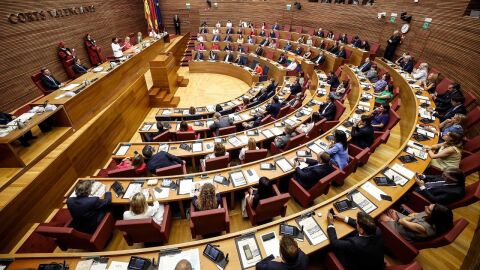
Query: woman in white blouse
{"points": [[240, 39], [218, 25], [116, 48], [309, 41], [305, 128], [200, 39], [251, 145], [139, 209], [215, 30], [421, 72]]}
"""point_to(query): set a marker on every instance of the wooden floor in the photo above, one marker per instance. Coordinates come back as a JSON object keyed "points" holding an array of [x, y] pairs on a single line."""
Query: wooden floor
{"points": [[221, 88]]}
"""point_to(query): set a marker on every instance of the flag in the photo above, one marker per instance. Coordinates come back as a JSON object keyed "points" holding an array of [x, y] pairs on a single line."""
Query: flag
{"points": [[159, 15], [147, 14]]}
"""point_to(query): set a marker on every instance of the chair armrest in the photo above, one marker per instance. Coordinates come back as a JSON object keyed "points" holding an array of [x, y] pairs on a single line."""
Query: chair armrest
{"points": [[275, 190], [331, 262], [417, 202], [298, 192], [328, 125], [227, 217], [397, 245], [407, 208], [167, 219], [103, 232]]}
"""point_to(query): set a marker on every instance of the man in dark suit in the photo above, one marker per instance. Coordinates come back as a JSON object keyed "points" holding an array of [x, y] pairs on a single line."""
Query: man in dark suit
{"points": [[229, 31], [316, 170], [356, 42], [361, 251], [274, 108], [319, 59], [259, 51], [407, 63], [78, 68], [443, 189], [288, 47], [220, 122], [342, 53], [363, 133], [443, 102], [87, 212], [228, 38], [295, 88], [457, 107], [291, 257], [216, 38], [366, 66], [272, 86], [298, 50], [276, 26], [335, 48], [48, 81], [319, 33], [282, 60], [332, 79], [176, 24], [228, 57], [328, 109], [162, 159], [265, 42], [199, 55]]}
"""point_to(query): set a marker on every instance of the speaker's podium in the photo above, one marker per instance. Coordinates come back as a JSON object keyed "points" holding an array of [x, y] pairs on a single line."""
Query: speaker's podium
{"points": [[165, 81]]}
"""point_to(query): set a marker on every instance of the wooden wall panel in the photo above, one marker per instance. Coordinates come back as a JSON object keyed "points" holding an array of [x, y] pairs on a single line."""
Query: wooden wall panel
{"points": [[450, 45], [26, 47]]}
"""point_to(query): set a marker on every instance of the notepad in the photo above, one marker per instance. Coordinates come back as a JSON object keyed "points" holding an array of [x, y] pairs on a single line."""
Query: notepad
{"points": [[122, 150], [163, 147], [251, 175], [70, 87], [115, 265], [197, 147], [363, 202], [403, 171], [166, 112], [284, 164], [276, 131], [132, 189], [234, 141], [146, 127], [238, 179], [271, 244], [267, 133], [315, 148], [185, 186], [373, 190], [312, 230], [425, 132], [395, 177]]}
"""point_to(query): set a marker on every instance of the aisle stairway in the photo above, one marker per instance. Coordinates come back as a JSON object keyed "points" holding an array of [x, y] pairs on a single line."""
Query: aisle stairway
{"points": [[187, 56]]}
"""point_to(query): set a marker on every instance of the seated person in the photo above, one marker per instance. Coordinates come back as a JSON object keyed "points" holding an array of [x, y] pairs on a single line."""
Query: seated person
{"points": [[65, 53], [228, 38], [288, 47], [241, 60], [296, 101], [200, 47], [296, 87], [282, 60], [339, 93], [218, 151], [372, 74], [274, 107], [272, 85], [206, 197], [251, 145], [293, 65], [335, 48], [240, 39], [219, 122], [241, 50], [199, 56], [259, 51], [381, 84], [228, 47], [192, 111], [330, 35], [273, 44], [454, 124], [448, 154], [421, 72], [291, 257], [380, 117], [457, 107], [366, 65], [385, 96], [444, 189], [338, 149], [364, 250], [244, 105], [212, 55], [332, 79], [262, 33], [215, 30], [309, 41], [265, 42], [306, 128], [6, 118], [430, 83], [443, 102], [216, 38], [319, 33], [263, 191], [407, 63], [126, 44], [282, 140], [48, 81], [341, 52], [229, 31], [162, 159], [218, 108], [356, 42], [273, 34], [363, 133], [228, 57], [138, 163], [307, 54], [184, 127], [78, 68], [250, 40], [328, 109], [301, 39], [298, 50], [319, 59], [139, 209], [87, 212], [257, 120], [258, 69], [435, 220], [316, 170], [322, 45], [343, 39]]}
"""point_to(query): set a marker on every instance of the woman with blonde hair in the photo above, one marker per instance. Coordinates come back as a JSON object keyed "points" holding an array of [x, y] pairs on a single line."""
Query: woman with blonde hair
{"points": [[251, 145], [126, 44], [206, 198], [139, 209], [430, 84], [448, 154]]}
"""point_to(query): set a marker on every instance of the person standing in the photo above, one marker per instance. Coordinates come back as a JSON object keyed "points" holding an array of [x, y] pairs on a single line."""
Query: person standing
{"points": [[94, 52], [176, 23], [392, 44], [116, 48]]}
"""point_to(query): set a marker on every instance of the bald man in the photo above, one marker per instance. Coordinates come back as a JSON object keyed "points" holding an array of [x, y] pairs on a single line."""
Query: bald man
{"points": [[183, 265]]}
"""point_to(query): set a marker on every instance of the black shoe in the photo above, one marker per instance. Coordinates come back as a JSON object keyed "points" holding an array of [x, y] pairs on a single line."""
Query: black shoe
{"points": [[25, 144]]}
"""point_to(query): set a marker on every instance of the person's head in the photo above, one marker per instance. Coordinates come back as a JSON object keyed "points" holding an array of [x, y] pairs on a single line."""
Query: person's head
{"points": [[453, 139], [342, 48], [390, 88], [365, 120], [138, 203], [367, 60], [160, 127], [83, 188], [264, 187], [457, 100], [385, 108], [45, 71], [219, 149], [407, 57], [137, 160], [365, 224], [440, 217], [289, 129], [217, 116], [423, 66], [322, 53], [275, 99], [77, 61], [114, 40], [454, 175], [88, 36], [341, 137], [386, 77], [139, 34], [206, 198], [396, 33], [459, 118], [127, 39], [218, 108], [183, 126], [183, 264], [331, 99], [323, 158], [315, 117], [252, 144], [147, 151], [288, 250], [299, 95], [61, 44], [192, 110], [245, 100], [433, 77]]}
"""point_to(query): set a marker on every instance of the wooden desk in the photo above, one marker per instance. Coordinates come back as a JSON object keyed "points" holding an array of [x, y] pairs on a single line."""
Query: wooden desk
{"points": [[106, 87], [246, 75], [10, 155]]}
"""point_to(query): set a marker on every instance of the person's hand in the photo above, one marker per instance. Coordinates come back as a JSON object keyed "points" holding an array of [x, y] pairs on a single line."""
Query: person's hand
{"points": [[339, 217], [14, 117], [107, 187], [330, 218], [419, 182], [426, 147]]}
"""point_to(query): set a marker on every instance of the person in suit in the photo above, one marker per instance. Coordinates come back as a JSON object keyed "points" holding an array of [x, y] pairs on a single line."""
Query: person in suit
{"points": [[319, 33], [296, 87], [228, 57], [288, 47], [407, 63], [356, 42], [319, 59], [341, 52], [220, 121], [250, 39], [362, 132], [332, 79], [206, 197], [339, 93], [291, 257], [228, 47], [212, 55], [94, 52], [216, 38], [364, 250], [6, 118], [48, 81], [282, 140], [259, 51], [443, 102], [176, 24], [372, 74], [228, 38], [307, 55], [328, 109], [65, 53], [272, 85], [199, 56], [275, 26], [298, 50], [343, 39], [203, 30], [392, 44], [78, 68], [335, 48], [443, 189], [229, 31], [296, 101], [160, 129], [366, 65], [330, 35], [316, 170], [322, 45], [87, 212], [421, 73], [264, 191], [273, 34], [241, 60], [162, 159], [257, 120], [457, 107], [262, 33], [240, 39], [265, 42], [274, 107], [454, 124], [282, 60]]}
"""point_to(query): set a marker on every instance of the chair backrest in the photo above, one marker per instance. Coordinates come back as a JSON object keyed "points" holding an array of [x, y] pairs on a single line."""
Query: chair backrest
{"points": [[396, 104], [393, 120], [382, 139], [323, 185], [349, 38], [66, 237], [266, 120], [122, 172], [340, 109], [470, 164], [208, 221], [283, 111], [347, 54], [271, 207], [472, 145], [227, 111], [227, 130], [288, 36], [446, 238], [286, 28], [192, 117], [68, 65], [254, 155], [338, 72], [176, 169], [315, 131], [472, 195], [162, 137], [295, 141], [374, 47], [473, 117], [25, 108], [266, 69], [310, 31], [350, 167], [185, 135], [469, 98], [139, 230], [245, 48], [254, 63], [217, 163], [37, 80], [298, 29], [269, 55], [443, 85]]}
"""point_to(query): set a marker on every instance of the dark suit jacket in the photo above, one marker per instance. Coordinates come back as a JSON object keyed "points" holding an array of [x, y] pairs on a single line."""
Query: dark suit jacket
{"points": [[358, 252], [259, 51], [362, 137], [229, 31], [162, 159], [268, 264], [342, 54], [451, 113], [298, 51], [442, 194], [408, 66], [333, 81], [309, 176], [273, 109], [49, 84], [282, 60], [319, 60], [365, 67], [319, 34], [288, 47], [295, 89], [271, 87], [228, 58], [344, 40], [79, 69], [265, 42], [357, 43], [216, 38], [199, 56], [228, 38], [328, 110], [88, 212]]}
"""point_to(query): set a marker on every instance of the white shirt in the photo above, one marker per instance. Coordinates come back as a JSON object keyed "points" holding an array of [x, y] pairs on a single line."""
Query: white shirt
{"points": [[420, 74], [241, 156], [292, 66], [117, 50], [155, 212], [305, 128], [200, 39], [218, 25], [229, 24], [309, 42], [215, 31]]}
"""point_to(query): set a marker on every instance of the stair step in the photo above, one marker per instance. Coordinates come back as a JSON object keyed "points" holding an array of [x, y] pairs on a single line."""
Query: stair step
{"points": [[161, 95], [154, 91], [184, 82]]}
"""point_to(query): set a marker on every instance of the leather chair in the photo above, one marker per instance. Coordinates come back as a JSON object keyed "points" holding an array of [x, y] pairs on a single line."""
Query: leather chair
{"points": [[349, 169], [292, 143], [123, 172], [283, 111], [67, 237], [264, 75], [396, 103], [146, 230], [298, 29], [469, 98], [327, 125], [361, 155], [306, 197], [394, 118], [374, 47], [338, 72], [310, 31], [226, 130], [209, 221], [331, 262], [471, 145], [186, 135], [162, 137], [286, 28], [268, 208], [347, 57], [215, 163], [382, 138], [315, 131], [269, 55], [37, 80], [443, 86], [254, 155], [68, 65], [177, 169], [473, 118], [267, 119], [468, 165]]}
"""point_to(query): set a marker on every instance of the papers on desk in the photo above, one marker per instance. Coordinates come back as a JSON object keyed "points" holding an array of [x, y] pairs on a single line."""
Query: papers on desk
{"points": [[115, 265], [365, 104], [292, 121], [132, 189], [403, 171], [315, 148], [97, 69], [22, 118], [185, 186], [422, 98], [395, 176], [271, 244], [425, 132], [185, 112], [166, 112], [161, 193], [243, 139], [267, 133], [416, 152], [163, 147], [248, 251], [170, 260], [210, 108], [122, 150], [251, 175], [146, 127], [84, 265], [235, 141], [200, 184], [238, 179], [197, 147], [61, 96], [284, 164], [363, 202], [373, 190], [276, 131], [70, 87], [312, 230]]}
